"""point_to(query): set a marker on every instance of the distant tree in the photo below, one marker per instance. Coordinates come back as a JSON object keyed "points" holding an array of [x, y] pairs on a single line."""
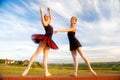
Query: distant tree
{"points": [[36, 64], [116, 67], [25, 62], [19, 62], [2, 61]]}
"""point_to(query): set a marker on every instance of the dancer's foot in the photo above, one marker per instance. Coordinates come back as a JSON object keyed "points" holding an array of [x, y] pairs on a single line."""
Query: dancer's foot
{"points": [[93, 72], [25, 71], [47, 74], [73, 74]]}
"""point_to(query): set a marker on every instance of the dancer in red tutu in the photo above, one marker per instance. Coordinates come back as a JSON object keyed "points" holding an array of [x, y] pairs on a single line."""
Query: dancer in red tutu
{"points": [[45, 41], [75, 46]]}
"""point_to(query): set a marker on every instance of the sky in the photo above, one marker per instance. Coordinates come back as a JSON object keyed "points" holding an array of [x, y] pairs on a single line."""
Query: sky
{"points": [[98, 29]]}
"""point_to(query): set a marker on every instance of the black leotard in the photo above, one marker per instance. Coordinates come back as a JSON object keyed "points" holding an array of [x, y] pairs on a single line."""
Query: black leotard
{"points": [[48, 30], [74, 43]]}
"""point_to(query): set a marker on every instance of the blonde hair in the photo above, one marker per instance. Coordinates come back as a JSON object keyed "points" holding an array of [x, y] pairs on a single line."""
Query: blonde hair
{"points": [[75, 19]]}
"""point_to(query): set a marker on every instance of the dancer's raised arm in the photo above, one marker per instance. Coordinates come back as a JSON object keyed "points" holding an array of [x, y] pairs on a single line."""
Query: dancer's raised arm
{"points": [[50, 15], [42, 15], [47, 18]]}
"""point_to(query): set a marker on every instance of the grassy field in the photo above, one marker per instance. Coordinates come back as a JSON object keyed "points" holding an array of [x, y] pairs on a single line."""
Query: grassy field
{"points": [[54, 70]]}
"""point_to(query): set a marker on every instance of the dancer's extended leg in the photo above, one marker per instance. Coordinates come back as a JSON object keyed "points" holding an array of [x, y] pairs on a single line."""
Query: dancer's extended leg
{"points": [[39, 49], [46, 51], [86, 61], [74, 55]]}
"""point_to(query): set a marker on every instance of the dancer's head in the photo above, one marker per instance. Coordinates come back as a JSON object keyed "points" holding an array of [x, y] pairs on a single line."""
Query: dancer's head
{"points": [[47, 18], [73, 20]]}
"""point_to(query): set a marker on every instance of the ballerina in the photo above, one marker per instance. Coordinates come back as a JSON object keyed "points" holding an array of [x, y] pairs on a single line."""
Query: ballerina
{"points": [[75, 46], [44, 40]]}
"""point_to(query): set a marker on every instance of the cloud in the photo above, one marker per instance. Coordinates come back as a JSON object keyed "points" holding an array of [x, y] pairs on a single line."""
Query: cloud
{"points": [[14, 25], [16, 8], [97, 28]]}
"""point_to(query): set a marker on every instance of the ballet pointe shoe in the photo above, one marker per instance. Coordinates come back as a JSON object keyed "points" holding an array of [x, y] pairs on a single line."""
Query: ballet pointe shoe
{"points": [[93, 72], [47, 75], [25, 72], [73, 74]]}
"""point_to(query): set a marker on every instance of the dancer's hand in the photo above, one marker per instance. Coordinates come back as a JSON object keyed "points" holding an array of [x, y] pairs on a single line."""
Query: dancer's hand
{"points": [[41, 5], [55, 32], [48, 10], [41, 8]]}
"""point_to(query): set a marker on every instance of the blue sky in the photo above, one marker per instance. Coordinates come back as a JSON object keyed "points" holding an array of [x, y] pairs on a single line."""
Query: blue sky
{"points": [[98, 29]]}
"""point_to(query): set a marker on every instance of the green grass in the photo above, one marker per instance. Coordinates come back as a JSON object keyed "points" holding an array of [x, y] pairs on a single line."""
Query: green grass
{"points": [[56, 71]]}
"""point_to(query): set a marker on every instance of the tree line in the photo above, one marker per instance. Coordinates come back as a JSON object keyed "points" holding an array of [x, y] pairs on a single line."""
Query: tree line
{"points": [[95, 65]]}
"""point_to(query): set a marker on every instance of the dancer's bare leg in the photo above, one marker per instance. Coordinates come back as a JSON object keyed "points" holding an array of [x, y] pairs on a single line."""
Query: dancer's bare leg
{"points": [[74, 55], [39, 49], [46, 51], [86, 61]]}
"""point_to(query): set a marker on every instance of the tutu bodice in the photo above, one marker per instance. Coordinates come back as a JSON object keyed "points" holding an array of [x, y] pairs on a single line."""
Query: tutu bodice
{"points": [[46, 38], [48, 31]]}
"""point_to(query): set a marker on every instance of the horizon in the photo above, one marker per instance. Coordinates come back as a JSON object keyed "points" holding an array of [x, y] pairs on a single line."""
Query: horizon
{"points": [[63, 62]]}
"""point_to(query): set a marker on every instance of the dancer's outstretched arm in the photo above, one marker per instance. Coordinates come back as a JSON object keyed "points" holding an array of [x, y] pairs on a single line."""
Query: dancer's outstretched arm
{"points": [[66, 30]]}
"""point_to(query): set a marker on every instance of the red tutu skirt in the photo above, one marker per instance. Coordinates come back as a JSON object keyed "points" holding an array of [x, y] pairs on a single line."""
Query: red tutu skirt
{"points": [[40, 37]]}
